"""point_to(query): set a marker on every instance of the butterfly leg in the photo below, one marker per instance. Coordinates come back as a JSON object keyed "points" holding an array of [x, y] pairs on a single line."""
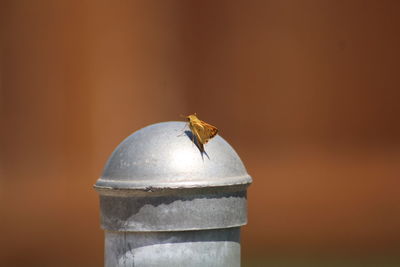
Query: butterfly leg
{"points": [[183, 132]]}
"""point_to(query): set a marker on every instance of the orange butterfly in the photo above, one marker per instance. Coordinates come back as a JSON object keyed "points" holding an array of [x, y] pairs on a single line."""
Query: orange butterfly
{"points": [[202, 130]]}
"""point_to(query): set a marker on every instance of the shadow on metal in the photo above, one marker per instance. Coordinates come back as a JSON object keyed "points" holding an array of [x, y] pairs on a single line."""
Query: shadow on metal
{"points": [[194, 139]]}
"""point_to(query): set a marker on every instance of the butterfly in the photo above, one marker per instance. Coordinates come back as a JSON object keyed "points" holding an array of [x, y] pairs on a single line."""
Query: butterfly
{"points": [[202, 130]]}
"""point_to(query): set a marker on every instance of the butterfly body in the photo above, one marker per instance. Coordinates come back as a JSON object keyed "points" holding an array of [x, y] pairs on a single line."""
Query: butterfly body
{"points": [[201, 130]]}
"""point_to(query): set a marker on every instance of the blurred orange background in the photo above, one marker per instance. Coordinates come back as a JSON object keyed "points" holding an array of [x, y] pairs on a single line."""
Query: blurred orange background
{"points": [[307, 92]]}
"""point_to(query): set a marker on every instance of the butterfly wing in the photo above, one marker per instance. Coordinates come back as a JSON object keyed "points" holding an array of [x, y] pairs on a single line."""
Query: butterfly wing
{"points": [[209, 131], [202, 130], [198, 130]]}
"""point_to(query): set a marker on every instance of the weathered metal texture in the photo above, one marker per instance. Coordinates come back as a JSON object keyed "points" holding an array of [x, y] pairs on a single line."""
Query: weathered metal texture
{"points": [[174, 213], [163, 201], [218, 247]]}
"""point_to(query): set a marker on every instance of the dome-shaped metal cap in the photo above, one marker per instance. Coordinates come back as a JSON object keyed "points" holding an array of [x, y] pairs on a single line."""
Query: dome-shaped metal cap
{"points": [[163, 156]]}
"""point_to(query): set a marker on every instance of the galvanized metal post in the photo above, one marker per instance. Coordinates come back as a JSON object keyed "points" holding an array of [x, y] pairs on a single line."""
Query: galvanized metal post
{"points": [[163, 203]]}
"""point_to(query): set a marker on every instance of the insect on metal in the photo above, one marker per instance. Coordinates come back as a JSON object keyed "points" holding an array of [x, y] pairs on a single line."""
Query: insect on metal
{"points": [[201, 130]]}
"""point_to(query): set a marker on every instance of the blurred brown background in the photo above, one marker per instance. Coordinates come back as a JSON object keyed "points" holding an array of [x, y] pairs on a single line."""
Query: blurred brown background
{"points": [[307, 92]]}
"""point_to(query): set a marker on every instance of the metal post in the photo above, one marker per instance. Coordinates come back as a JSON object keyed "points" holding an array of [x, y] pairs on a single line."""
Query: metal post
{"points": [[163, 203]]}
